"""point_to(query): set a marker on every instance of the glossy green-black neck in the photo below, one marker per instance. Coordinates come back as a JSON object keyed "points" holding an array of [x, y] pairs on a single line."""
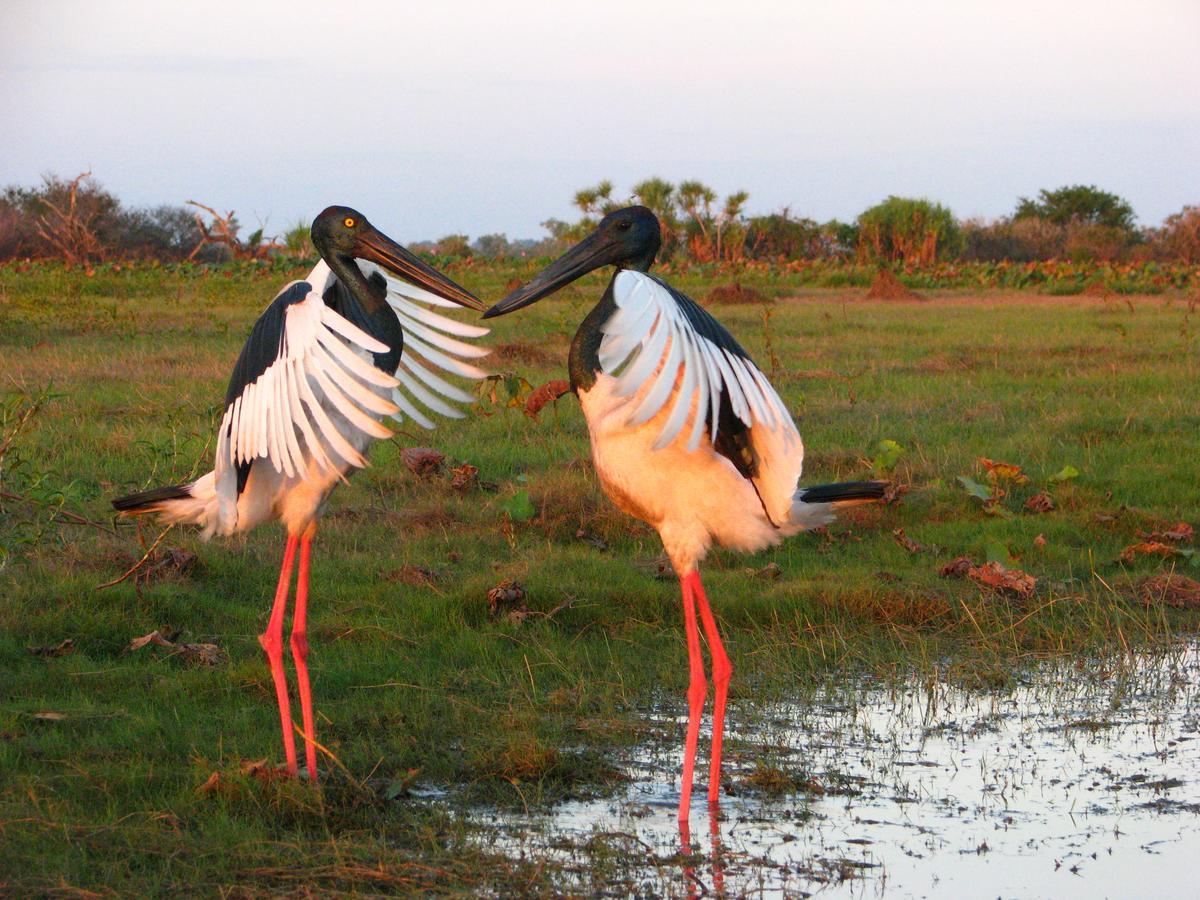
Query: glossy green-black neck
{"points": [[583, 362], [346, 269]]}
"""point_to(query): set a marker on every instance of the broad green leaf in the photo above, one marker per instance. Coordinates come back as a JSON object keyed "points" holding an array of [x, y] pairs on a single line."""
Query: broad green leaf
{"points": [[519, 507], [975, 489], [887, 455], [1066, 473], [997, 552]]}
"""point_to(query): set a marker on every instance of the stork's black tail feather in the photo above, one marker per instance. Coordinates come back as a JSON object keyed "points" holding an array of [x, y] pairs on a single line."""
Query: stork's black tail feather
{"points": [[149, 501], [843, 491]]}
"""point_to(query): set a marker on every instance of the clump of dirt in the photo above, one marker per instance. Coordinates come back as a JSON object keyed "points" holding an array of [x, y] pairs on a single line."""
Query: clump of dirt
{"points": [[735, 293], [887, 286]]}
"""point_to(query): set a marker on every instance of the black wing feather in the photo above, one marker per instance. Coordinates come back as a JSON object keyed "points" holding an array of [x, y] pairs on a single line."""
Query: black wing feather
{"points": [[260, 352], [266, 338], [703, 323]]}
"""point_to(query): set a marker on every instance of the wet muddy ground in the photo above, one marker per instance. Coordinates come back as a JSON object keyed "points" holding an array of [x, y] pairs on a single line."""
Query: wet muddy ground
{"points": [[1079, 779]]}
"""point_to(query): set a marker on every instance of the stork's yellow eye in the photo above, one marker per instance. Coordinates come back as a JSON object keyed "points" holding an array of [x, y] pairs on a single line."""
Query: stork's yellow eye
{"points": [[348, 222]]}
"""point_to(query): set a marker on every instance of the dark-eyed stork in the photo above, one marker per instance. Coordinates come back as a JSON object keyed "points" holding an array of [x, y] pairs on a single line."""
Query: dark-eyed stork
{"points": [[330, 357], [687, 434]]}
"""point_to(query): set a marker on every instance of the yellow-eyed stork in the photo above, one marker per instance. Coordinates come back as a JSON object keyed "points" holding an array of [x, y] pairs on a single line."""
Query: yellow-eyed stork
{"points": [[329, 357], [687, 434]]}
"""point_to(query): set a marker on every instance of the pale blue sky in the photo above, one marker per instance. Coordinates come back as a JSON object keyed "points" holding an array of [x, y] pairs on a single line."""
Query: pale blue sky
{"points": [[484, 117]]}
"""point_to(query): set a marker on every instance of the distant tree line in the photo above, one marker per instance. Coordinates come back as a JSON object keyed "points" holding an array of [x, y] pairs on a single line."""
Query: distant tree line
{"points": [[80, 222]]}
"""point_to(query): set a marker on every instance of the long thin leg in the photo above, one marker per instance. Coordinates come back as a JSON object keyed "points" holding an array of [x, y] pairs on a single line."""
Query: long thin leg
{"points": [[272, 642], [300, 655], [722, 671], [697, 690]]}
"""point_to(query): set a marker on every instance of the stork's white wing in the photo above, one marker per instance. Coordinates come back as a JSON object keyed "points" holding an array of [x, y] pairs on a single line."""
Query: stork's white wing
{"points": [[431, 349], [663, 341], [302, 362]]}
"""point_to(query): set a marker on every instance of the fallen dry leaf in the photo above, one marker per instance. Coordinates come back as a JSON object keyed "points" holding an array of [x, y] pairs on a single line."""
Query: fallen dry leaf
{"points": [[1180, 534], [51, 650], [957, 567], [154, 637], [995, 576], [906, 542], [1002, 471], [547, 393], [196, 654], [464, 477], [1039, 541], [893, 492], [211, 784], [422, 460], [1175, 591], [1147, 548], [1040, 502], [508, 599], [50, 716]]}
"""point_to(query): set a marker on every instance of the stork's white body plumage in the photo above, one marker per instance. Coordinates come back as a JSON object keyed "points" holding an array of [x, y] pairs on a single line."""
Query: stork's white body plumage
{"points": [[651, 416]]}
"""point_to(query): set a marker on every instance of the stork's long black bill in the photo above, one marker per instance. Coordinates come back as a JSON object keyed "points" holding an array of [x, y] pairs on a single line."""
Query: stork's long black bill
{"points": [[379, 248], [591, 253]]}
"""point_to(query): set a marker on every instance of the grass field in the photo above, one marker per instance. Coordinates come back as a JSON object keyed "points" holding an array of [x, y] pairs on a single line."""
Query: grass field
{"points": [[105, 753]]}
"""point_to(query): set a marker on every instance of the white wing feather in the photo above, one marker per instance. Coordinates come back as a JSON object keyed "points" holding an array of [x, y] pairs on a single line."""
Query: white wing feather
{"points": [[664, 356], [319, 350], [431, 346]]}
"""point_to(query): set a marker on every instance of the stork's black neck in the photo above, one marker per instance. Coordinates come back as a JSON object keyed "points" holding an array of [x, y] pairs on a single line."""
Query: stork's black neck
{"points": [[584, 360], [369, 296], [364, 302]]}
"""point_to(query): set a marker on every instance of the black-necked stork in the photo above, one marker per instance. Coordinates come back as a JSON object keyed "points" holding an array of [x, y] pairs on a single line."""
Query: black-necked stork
{"points": [[330, 357], [687, 434]]}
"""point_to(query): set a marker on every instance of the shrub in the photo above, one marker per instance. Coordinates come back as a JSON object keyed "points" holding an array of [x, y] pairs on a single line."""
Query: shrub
{"points": [[1178, 238], [1082, 204], [909, 230]]}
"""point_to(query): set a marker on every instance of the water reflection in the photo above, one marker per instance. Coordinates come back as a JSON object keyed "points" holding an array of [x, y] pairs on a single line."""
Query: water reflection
{"points": [[1078, 781]]}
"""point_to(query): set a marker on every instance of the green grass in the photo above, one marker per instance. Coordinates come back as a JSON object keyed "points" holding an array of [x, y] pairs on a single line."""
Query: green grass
{"points": [[131, 368]]}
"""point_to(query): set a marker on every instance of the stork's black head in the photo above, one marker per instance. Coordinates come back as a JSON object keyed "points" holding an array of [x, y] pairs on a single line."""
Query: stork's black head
{"points": [[628, 239], [342, 232]]}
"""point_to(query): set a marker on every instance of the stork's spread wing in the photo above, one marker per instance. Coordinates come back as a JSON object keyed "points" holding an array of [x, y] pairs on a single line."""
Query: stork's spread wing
{"points": [[301, 362], [665, 339], [431, 346]]}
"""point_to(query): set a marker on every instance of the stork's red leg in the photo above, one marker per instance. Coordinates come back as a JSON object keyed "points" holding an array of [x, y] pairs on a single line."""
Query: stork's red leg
{"points": [[272, 642], [697, 690], [300, 655], [722, 670]]}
